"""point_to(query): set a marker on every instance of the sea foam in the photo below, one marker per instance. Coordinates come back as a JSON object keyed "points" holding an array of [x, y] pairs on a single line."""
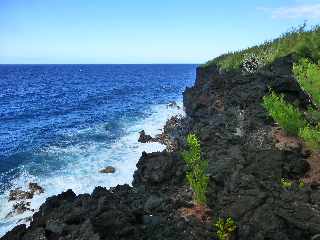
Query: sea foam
{"points": [[79, 164]]}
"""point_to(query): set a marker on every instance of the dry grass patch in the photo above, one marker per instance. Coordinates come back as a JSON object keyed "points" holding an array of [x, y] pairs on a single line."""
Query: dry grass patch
{"points": [[285, 142], [200, 212]]}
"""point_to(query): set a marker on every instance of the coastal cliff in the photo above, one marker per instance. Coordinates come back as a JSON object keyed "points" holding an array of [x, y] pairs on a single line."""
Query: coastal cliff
{"points": [[248, 157], [246, 163]]}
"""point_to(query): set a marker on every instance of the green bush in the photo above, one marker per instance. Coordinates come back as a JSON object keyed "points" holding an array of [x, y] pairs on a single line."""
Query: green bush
{"points": [[311, 136], [285, 114], [285, 183], [308, 76], [197, 167], [225, 229]]}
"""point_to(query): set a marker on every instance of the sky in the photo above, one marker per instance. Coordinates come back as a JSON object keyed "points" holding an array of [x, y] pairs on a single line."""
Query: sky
{"points": [[141, 31]]}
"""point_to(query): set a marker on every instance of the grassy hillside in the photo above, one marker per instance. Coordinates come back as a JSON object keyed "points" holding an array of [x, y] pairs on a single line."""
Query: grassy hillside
{"points": [[304, 45], [300, 42]]}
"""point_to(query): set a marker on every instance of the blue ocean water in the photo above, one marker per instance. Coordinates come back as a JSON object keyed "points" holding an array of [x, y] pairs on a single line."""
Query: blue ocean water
{"points": [[60, 124]]}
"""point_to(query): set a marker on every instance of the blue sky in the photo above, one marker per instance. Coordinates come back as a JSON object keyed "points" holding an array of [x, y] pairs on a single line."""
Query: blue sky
{"points": [[141, 31]]}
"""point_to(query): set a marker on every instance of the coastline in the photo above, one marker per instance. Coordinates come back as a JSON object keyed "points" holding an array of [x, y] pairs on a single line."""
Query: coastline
{"points": [[126, 151], [245, 170]]}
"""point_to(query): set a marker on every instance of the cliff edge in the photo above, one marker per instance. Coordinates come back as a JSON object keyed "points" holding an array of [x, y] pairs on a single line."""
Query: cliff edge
{"points": [[248, 156]]}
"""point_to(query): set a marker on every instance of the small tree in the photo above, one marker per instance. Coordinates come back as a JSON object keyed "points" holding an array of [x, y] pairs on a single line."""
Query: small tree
{"points": [[197, 167]]}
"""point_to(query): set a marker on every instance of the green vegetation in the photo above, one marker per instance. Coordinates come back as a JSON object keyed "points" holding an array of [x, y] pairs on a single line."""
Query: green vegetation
{"points": [[304, 45], [285, 183], [311, 136], [301, 184], [308, 76], [299, 42], [288, 117], [292, 121], [197, 167], [225, 229], [313, 116]]}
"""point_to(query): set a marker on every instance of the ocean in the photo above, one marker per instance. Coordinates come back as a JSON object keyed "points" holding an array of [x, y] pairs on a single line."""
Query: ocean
{"points": [[61, 124]]}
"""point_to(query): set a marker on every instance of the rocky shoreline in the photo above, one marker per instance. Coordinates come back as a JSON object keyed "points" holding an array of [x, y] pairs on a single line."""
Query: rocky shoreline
{"points": [[246, 165]]}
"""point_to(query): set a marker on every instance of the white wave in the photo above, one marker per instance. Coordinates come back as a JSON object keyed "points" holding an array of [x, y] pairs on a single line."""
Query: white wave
{"points": [[80, 171]]}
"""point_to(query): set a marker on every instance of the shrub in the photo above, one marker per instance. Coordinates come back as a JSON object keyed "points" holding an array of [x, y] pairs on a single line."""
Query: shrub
{"points": [[285, 114], [301, 184], [285, 183], [311, 136], [197, 167], [225, 229], [251, 63], [308, 76]]}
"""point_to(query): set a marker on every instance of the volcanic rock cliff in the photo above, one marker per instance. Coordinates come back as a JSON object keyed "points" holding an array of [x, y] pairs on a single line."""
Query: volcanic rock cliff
{"points": [[246, 164]]}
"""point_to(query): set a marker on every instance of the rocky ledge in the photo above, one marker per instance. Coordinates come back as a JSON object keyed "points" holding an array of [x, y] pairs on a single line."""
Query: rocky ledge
{"points": [[248, 157]]}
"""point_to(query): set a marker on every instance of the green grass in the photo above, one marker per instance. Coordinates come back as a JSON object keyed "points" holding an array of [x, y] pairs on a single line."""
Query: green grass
{"points": [[311, 136], [308, 76], [300, 42], [285, 114], [197, 167], [292, 120]]}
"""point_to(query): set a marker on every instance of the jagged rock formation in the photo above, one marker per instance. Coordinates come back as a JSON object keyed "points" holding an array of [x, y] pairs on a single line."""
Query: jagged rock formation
{"points": [[245, 168], [144, 138]]}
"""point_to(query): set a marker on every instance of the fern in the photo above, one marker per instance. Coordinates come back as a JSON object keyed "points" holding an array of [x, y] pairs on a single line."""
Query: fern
{"points": [[196, 174]]}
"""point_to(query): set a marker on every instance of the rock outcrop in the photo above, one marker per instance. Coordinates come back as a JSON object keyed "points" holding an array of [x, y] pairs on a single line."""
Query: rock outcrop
{"points": [[247, 161], [22, 198], [245, 165], [144, 138], [35, 188]]}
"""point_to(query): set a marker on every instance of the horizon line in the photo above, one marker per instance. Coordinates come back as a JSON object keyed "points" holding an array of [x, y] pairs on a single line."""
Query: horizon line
{"points": [[101, 63]]}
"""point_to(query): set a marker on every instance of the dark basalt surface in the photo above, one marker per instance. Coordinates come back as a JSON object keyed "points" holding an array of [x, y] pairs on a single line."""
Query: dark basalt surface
{"points": [[244, 165], [245, 169]]}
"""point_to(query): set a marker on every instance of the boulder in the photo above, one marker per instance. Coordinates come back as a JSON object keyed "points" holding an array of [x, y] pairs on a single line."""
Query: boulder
{"points": [[108, 169], [144, 138]]}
